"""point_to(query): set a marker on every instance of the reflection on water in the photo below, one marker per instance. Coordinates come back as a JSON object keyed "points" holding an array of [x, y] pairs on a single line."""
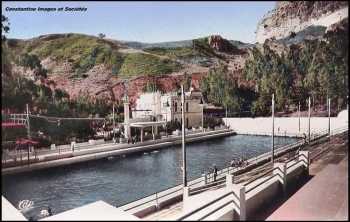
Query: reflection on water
{"points": [[121, 179]]}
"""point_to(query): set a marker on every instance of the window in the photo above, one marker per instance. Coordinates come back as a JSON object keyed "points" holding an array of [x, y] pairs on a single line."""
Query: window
{"points": [[186, 122], [187, 107], [175, 107]]}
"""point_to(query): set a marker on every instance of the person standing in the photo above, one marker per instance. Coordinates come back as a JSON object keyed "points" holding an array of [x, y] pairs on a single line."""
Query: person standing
{"points": [[215, 171]]}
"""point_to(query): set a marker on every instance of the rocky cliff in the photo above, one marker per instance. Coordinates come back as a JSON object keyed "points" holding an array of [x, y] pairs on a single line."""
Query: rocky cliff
{"points": [[99, 68], [290, 17]]}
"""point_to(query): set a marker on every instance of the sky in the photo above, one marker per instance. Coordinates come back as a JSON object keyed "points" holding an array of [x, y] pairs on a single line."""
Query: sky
{"points": [[140, 21]]}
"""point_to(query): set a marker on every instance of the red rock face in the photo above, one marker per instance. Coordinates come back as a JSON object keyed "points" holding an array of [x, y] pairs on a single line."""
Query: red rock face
{"points": [[222, 45]]}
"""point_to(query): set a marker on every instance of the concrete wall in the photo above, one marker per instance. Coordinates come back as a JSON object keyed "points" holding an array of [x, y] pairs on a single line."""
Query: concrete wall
{"points": [[284, 125], [266, 193], [262, 195], [104, 151]]}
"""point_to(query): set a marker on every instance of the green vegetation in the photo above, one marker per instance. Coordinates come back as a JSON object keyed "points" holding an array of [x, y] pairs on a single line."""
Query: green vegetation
{"points": [[18, 91], [199, 48], [144, 64], [220, 89], [313, 68], [174, 53], [82, 51], [33, 62], [201, 45], [151, 86]]}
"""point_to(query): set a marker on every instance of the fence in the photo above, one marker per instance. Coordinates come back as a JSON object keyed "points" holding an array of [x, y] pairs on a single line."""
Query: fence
{"points": [[196, 186], [201, 184], [233, 198], [247, 198]]}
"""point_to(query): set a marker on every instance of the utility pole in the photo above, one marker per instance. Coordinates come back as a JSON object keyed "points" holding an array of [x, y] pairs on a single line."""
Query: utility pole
{"points": [[28, 131], [184, 177], [347, 103], [113, 125], [329, 116], [203, 117], [226, 115], [273, 128], [28, 123], [309, 117], [299, 115]]}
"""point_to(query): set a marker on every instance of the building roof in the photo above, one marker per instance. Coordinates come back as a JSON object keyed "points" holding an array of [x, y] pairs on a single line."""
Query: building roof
{"points": [[96, 211], [211, 106], [26, 142], [146, 124], [12, 125]]}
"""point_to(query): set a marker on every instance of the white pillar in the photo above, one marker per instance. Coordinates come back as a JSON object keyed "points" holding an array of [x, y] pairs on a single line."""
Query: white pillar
{"points": [[305, 158], [186, 193], [239, 191], [127, 131], [229, 181], [281, 171]]}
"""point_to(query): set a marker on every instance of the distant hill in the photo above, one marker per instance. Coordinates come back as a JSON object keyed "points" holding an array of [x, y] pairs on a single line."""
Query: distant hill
{"points": [[176, 44]]}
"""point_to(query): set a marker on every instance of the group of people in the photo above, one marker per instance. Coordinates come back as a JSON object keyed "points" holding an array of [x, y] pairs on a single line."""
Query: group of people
{"points": [[133, 140], [213, 170], [241, 162]]}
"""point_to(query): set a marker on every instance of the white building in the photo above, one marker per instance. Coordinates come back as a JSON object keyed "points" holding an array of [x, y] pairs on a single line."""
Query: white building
{"points": [[167, 107]]}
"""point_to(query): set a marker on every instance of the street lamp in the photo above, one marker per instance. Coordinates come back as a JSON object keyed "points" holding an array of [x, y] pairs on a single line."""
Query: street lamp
{"points": [[184, 176], [113, 125], [166, 117], [202, 105]]}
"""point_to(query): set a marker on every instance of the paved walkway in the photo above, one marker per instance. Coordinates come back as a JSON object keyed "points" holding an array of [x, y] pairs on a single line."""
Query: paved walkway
{"points": [[324, 197]]}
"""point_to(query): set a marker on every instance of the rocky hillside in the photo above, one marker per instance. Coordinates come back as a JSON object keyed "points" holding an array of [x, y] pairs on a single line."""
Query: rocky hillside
{"points": [[299, 41], [103, 68], [291, 17]]}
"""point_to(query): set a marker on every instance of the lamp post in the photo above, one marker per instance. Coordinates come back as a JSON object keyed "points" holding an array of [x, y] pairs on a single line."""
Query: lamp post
{"points": [[184, 176], [113, 125], [28, 123], [299, 116], [167, 105], [309, 117], [273, 128], [329, 116], [202, 105]]}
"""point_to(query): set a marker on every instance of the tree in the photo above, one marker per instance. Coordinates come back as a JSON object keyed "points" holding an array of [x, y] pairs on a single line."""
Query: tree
{"points": [[220, 89], [5, 26], [101, 35]]}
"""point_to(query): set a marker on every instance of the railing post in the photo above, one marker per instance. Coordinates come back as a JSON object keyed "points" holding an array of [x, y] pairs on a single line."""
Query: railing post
{"points": [[281, 171], [242, 204], [229, 180], [186, 193], [205, 178], [157, 204], [305, 158]]}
